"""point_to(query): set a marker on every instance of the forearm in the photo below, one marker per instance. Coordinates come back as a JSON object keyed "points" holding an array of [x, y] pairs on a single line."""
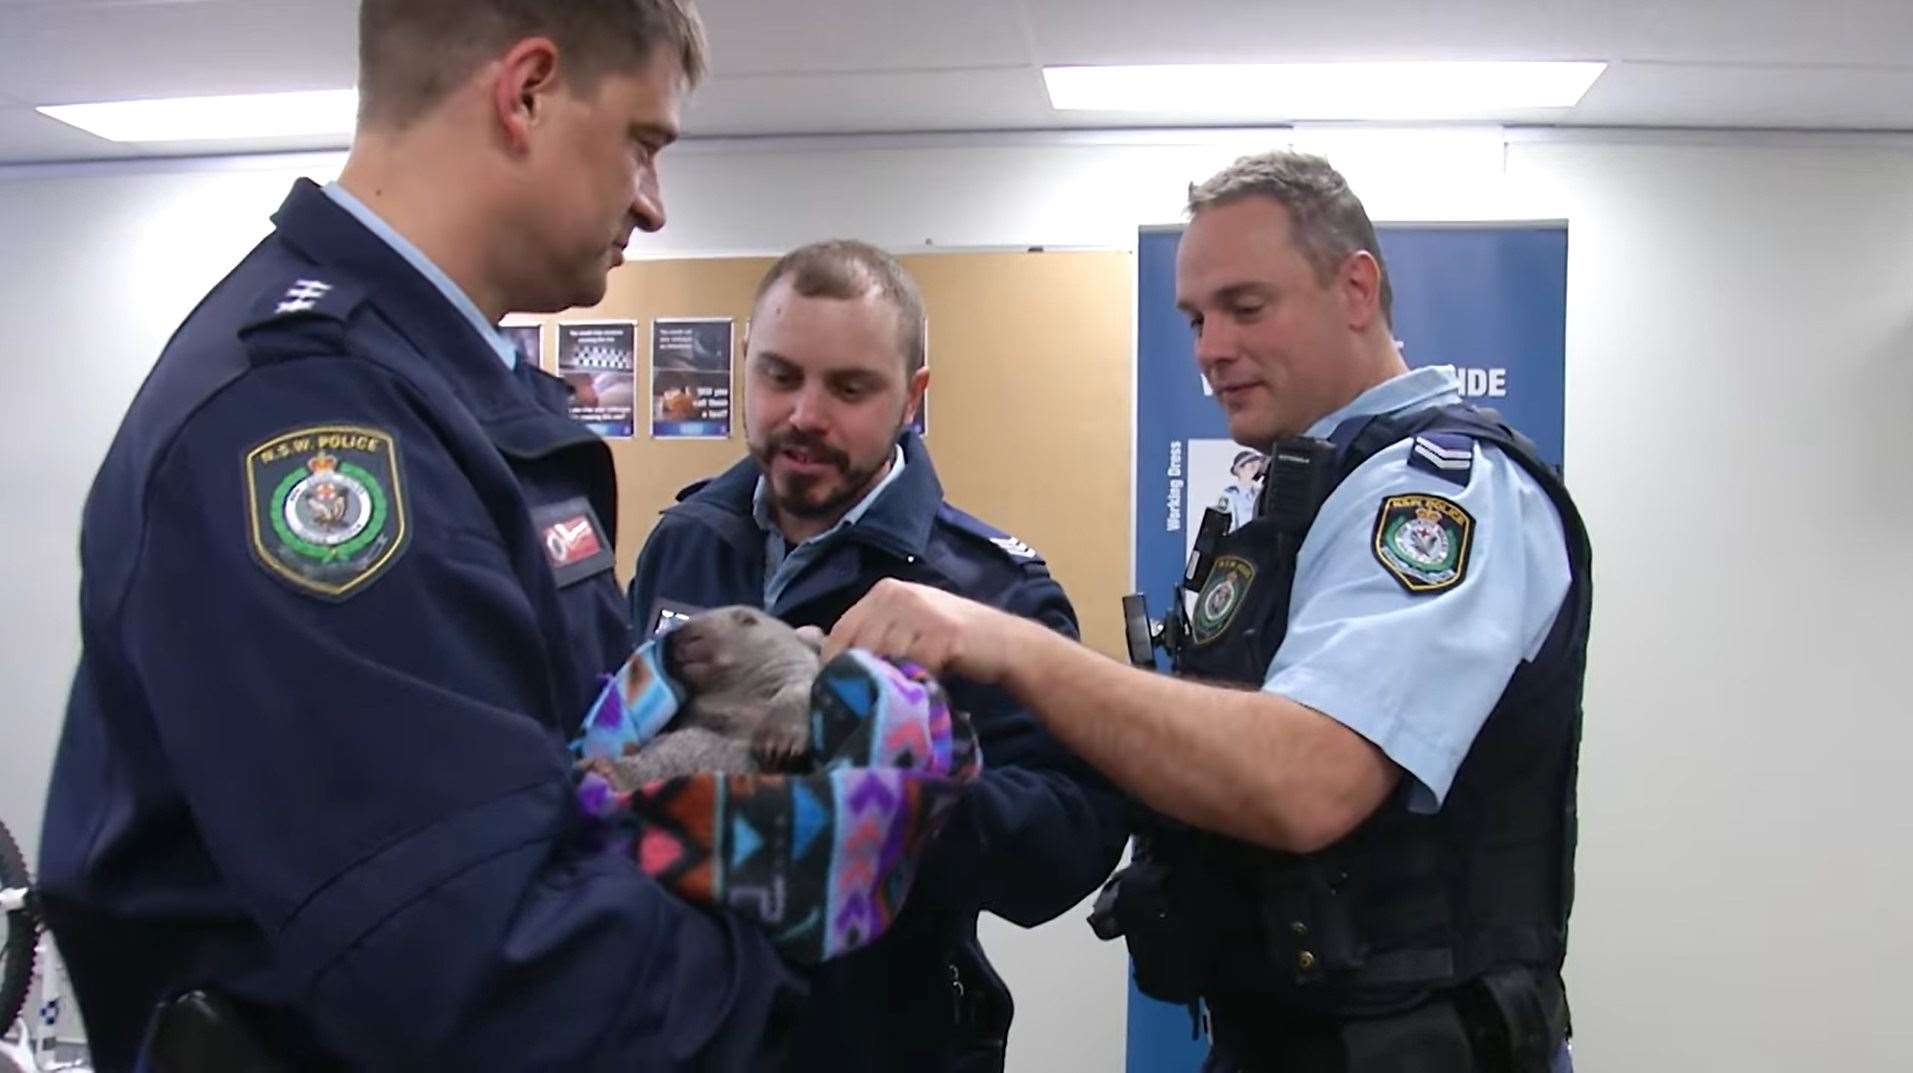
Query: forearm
{"points": [[1247, 764]]}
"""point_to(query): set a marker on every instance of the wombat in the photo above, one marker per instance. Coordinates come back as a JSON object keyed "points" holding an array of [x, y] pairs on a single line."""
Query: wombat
{"points": [[748, 679]]}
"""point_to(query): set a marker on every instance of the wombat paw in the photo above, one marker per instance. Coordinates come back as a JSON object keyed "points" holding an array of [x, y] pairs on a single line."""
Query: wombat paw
{"points": [[781, 748], [600, 766]]}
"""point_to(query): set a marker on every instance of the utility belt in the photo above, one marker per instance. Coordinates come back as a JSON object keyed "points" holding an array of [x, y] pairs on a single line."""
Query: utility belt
{"points": [[203, 1030], [1506, 1022], [1511, 1020], [1192, 940], [1201, 919]]}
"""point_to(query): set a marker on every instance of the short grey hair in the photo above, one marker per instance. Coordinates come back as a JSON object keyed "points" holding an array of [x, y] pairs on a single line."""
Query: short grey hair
{"points": [[846, 269], [1326, 218]]}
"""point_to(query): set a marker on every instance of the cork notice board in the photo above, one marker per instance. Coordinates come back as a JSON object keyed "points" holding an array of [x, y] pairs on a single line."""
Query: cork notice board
{"points": [[1030, 401]]}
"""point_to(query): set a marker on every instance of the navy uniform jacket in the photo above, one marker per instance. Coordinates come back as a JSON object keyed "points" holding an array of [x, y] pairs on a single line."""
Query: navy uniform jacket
{"points": [[327, 775], [1031, 838]]}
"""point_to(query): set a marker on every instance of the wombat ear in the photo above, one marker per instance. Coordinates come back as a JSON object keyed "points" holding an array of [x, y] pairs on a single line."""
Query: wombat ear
{"points": [[812, 637]]}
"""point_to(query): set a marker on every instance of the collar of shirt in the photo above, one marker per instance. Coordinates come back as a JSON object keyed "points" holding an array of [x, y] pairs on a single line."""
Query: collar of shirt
{"points": [[417, 259], [761, 505], [1416, 389]]}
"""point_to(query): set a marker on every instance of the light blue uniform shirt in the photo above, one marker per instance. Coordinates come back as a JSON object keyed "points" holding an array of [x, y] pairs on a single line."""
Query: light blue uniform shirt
{"points": [[782, 563], [416, 258], [1417, 674]]}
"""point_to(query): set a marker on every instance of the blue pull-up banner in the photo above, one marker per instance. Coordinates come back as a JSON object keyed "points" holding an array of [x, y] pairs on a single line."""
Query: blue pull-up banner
{"points": [[1488, 299]]}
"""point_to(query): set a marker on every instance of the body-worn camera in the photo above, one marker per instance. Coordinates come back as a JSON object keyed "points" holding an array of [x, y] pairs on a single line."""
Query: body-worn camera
{"points": [[1143, 634]]}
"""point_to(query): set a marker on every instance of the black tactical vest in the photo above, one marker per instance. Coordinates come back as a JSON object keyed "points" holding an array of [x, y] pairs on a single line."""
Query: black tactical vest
{"points": [[1407, 905]]}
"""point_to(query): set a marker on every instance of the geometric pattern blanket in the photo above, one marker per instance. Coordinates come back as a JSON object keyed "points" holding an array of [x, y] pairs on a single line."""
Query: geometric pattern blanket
{"points": [[822, 861]]}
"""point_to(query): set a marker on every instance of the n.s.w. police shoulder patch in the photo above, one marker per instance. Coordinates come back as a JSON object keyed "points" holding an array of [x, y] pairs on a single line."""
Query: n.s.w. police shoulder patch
{"points": [[1423, 541], [1220, 598], [325, 507]]}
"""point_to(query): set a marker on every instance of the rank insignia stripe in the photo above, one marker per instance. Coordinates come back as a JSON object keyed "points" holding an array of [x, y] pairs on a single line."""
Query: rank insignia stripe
{"points": [[1015, 548], [325, 507], [304, 297], [1446, 455], [1423, 541]]}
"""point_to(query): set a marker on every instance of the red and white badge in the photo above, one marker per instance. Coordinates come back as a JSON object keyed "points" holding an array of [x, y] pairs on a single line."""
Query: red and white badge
{"points": [[575, 542], [572, 540]]}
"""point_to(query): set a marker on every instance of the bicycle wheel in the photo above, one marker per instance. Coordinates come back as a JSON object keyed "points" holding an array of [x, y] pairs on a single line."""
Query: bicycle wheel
{"points": [[22, 933]]}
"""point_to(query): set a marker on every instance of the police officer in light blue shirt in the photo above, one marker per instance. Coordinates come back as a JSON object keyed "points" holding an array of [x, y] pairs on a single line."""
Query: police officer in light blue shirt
{"points": [[1363, 861], [1344, 655]]}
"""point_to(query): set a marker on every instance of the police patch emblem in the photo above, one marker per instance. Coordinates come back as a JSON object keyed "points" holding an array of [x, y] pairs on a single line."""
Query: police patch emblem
{"points": [[1221, 595], [1423, 540], [325, 507]]}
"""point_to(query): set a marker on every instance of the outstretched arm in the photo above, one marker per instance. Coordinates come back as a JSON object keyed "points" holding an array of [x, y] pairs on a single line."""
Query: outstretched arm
{"points": [[1252, 765]]}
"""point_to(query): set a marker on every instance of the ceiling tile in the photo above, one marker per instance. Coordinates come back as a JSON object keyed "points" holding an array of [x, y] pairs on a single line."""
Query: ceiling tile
{"points": [[867, 102], [1781, 32], [848, 66], [750, 37], [1214, 31], [68, 53], [1244, 31], [1749, 95]]}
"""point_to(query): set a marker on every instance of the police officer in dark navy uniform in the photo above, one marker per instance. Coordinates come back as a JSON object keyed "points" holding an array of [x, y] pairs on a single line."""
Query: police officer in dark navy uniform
{"points": [[348, 589], [1362, 858], [838, 494]]}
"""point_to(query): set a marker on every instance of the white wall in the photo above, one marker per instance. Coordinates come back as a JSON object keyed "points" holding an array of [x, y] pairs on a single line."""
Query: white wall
{"points": [[1740, 379], [96, 269], [1740, 372]]}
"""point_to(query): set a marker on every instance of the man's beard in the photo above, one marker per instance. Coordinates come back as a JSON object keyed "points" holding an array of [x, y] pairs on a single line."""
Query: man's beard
{"points": [[855, 482]]}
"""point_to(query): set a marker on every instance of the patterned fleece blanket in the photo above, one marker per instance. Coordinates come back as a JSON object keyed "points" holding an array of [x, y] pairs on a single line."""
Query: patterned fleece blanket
{"points": [[823, 861]]}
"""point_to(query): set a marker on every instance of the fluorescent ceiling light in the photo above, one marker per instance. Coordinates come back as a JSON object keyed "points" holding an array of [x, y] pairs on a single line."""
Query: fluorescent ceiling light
{"points": [[175, 119], [1324, 90]]}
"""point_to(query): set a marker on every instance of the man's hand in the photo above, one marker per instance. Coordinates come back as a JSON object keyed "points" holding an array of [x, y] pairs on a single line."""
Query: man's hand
{"points": [[1241, 762], [943, 633]]}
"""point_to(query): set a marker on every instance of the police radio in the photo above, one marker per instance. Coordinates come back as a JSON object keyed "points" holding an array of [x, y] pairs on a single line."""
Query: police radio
{"points": [[1298, 477], [1145, 636]]}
